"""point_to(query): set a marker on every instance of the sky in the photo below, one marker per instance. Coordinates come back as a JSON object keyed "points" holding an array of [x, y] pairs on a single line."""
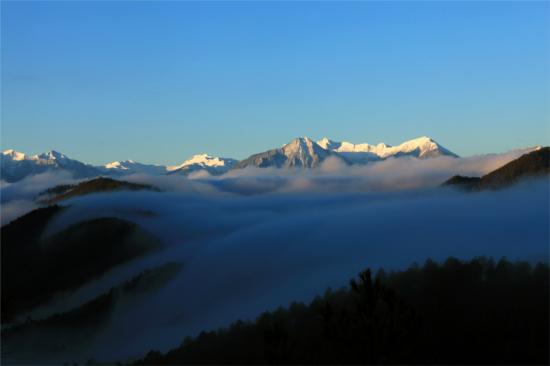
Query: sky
{"points": [[157, 82]]}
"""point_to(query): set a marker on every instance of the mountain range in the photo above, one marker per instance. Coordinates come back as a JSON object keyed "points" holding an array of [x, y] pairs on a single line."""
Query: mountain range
{"points": [[16, 165], [534, 163], [301, 152]]}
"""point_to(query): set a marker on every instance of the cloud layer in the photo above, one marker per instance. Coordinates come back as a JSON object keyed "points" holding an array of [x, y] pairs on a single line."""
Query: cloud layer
{"points": [[255, 239], [16, 199], [245, 254], [333, 175]]}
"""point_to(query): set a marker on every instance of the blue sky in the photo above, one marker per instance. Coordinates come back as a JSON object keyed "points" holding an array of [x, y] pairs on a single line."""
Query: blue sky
{"points": [[160, 81]]}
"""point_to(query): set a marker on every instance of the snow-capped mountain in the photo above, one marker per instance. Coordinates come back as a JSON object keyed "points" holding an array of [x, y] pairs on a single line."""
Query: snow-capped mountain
{"points": [[304, 152], [300, 152], [13, 155], [16, 165], [422, 147], [213, 165], [131, 167]]}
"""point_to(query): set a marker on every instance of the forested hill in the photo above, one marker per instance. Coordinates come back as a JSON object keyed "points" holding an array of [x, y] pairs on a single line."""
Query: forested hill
{"points": [[96, 185], [533, 164], [458, 312], [37, 267]]}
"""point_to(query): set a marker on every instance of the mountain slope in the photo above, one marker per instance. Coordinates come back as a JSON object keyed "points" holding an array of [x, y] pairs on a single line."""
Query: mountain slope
{"points": [[533, 164], [300, 153]]}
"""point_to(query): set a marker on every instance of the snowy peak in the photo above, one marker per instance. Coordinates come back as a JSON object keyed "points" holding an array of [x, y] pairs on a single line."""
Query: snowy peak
{"points": [[304, 152], [212, 164], [131, 167], [422, 147], [424, 144], [14, 155], [17, 166], [47, 156], [303, 146], [327, 143], [205, 160], [122, 165], [301, 152], [52, 155]]}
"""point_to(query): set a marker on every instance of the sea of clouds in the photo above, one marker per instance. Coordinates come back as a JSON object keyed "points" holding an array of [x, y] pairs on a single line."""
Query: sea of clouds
{"points": [[255, 239], [242, 255]]}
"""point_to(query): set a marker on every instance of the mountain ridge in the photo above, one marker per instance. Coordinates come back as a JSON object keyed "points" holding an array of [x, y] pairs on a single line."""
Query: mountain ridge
{"points": [[533, 164], [212, 164], [421, 147], [301, 152], [16, 165]]}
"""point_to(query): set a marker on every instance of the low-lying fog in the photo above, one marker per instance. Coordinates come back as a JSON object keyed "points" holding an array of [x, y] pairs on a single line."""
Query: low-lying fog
{"points": [[332, 176], [251, 242]]}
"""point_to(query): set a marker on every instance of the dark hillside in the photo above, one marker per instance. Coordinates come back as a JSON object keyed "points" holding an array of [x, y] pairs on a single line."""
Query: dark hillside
{"points": [[533, 164], [466, 183], [536, 163], [64, 333], [34, 267], [96, 185]]}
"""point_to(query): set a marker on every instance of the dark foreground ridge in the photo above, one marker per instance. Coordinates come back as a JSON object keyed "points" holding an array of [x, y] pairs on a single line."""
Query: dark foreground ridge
{"points": [[459, 312], [96, 185], [533, 164], [36, 266], [48, 338]]}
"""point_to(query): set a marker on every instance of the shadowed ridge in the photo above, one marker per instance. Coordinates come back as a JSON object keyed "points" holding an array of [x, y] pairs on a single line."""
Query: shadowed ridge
{"points": [[96, 185], [533, 164], [24, 341], [35, 267], [466, 183]]}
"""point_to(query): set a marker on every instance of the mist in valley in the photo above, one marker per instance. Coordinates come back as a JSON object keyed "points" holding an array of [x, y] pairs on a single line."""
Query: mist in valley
{"points": [[242, 255], [253, 240]]}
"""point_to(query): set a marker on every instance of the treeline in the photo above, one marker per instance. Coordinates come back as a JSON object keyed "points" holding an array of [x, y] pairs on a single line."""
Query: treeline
{"points": [[457, 312]]}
